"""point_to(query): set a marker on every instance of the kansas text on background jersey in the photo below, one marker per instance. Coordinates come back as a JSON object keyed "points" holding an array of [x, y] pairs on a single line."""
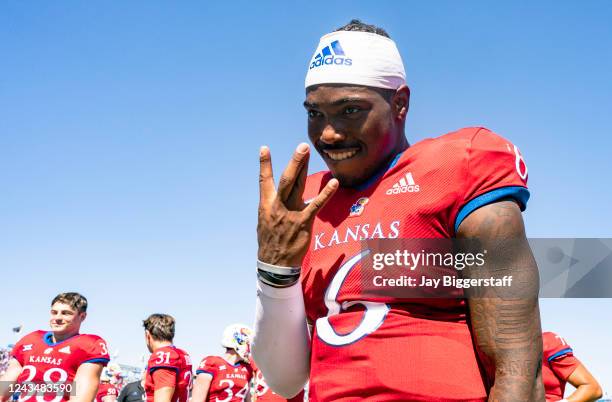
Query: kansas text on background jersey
{"points": [[46, 362], [230, 382]]}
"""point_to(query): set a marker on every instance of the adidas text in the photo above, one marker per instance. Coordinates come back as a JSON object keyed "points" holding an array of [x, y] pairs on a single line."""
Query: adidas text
{"points": [[405, 185], [332, 60], [403, 189]]}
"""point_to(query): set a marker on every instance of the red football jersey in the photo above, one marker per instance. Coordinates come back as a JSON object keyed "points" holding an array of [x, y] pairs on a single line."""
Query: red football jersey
{"points": [[385, 348], [230, 382], [175, 366], [265, 394], [106, 389], [43, 361], [557, 365]]}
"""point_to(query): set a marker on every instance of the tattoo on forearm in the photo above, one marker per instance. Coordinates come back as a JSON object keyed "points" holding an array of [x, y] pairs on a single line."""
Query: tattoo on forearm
{"points": [[508, 339], [506, 326], [518, 368], [513, 330]]}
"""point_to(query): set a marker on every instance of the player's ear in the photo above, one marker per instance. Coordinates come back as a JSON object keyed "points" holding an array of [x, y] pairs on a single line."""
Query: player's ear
{"points": [[401, 102]]}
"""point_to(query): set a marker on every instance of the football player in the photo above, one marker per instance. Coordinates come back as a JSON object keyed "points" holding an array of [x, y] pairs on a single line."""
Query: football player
{"points": [[60, 364], [133, 392], [107, 392], [560, 366], [227, 377], [263, 393], [168, 377], [470, 183]]}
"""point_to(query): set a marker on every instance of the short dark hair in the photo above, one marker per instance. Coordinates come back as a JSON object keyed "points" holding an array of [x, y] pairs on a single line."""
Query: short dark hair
{"points": [[160, 326], [359, 26], [75, 300]]}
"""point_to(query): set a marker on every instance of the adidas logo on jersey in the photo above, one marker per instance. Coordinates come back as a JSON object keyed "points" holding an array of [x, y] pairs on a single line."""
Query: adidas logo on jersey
{"points": [[331, 54], [65, 350], [48, 351], [405, 185]]}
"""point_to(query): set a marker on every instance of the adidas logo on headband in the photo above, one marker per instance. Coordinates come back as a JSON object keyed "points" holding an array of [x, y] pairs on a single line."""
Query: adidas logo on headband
{"points": [[331, 54]]}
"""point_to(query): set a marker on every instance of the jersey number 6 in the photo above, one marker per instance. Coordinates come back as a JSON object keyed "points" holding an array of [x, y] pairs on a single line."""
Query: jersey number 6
{"points": [[373, 316]]}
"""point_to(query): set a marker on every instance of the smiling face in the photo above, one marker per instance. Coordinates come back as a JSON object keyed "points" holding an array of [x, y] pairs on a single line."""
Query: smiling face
{"points": [[357, 130], [65, 320]]}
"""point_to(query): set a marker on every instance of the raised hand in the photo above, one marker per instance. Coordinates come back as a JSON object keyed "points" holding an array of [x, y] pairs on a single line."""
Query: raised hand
{"points": [[284, 227]]}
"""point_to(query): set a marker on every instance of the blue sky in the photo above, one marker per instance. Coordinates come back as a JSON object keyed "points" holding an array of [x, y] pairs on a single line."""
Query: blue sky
{"points": [[129, 135]]}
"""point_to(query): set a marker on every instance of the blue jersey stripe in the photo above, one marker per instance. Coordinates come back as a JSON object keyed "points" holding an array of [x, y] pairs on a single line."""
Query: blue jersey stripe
{"points": [[97, 360], [560, 353], [152, 369], [520, 194]]}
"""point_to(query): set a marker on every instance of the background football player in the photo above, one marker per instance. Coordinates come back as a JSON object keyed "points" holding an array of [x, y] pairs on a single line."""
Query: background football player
{"points": [[107, 391], [470, 183], [133, 392], [168, 377], [263, 393], [63, 357], [227, 377], [560, 366]]}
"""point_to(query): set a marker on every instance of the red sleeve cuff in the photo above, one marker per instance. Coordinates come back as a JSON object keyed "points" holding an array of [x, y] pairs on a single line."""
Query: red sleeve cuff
{"points": [[565, 366]]}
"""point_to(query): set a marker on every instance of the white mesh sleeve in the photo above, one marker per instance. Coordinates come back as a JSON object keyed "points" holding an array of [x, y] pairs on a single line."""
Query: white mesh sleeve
{"points": [[281, 344]]}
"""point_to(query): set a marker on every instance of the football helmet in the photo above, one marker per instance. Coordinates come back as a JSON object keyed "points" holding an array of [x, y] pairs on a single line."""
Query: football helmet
{"points": [[111, 372], [238, 337]]}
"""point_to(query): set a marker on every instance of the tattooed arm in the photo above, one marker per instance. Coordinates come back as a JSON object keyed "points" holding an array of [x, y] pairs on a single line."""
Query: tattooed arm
{"points": [[505, 323]]}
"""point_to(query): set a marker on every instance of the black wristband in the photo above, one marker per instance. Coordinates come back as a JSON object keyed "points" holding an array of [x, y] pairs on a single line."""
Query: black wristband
{"points": [[277, 280], [277, 269]]}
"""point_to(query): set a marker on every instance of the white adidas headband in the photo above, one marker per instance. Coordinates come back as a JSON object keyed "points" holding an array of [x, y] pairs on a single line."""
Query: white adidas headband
{"points": [[361, 58]]}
